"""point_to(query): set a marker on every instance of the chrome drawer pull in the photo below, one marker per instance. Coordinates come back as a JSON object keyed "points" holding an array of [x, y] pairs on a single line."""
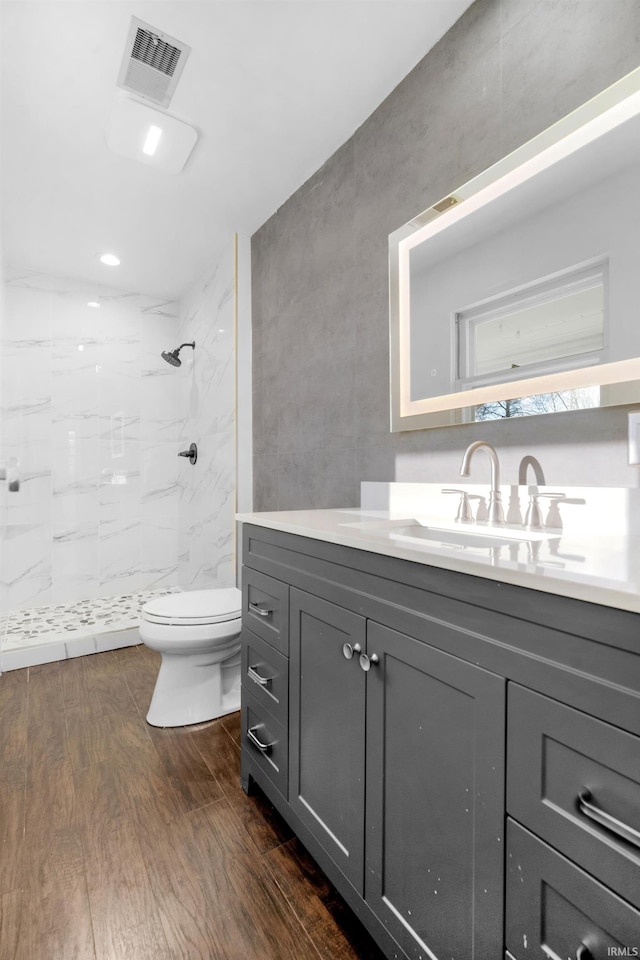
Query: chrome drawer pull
{"points": [[348, 650], [262, 747], [261, 611], [604, 819], [255, 676]]}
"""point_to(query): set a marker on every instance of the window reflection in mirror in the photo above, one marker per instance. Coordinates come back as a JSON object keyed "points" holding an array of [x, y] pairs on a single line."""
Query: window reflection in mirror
{"points": [[582, 398], [550, 325]]}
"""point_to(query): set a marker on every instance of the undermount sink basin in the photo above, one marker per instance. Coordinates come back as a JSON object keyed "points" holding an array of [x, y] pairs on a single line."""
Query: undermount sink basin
{"points": [[460, 535], [489, 539]]}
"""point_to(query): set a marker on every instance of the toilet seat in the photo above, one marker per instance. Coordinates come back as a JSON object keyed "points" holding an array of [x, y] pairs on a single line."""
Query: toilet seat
{"points": [[195, 607]]}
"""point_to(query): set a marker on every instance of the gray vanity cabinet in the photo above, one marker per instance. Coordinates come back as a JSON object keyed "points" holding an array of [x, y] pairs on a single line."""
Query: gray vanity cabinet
{"points": [[459, 755]]}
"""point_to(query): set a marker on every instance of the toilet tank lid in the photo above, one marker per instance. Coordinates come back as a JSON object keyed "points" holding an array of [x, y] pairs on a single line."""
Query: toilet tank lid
{"points": [[217, 604]]}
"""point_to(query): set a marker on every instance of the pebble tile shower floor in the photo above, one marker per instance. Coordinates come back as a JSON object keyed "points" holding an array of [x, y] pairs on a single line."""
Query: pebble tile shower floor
{"points": [[59, 631]]}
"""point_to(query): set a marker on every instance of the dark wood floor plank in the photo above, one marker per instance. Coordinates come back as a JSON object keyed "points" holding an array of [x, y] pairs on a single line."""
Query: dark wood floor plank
{"points": [[213, 873], [188, 772], [218, 751], [12, 816], [92, 739], [139, 790], [329, 922], [232, 723], [74, 681], [46, 726], [55, 915], [141, 676], [13, 726], [13, 779], [50, 809], [10, 924], [259, 817], [176, 880], [124, 911], [102, 801], [124, 654], [55, 911], [96, 688]]}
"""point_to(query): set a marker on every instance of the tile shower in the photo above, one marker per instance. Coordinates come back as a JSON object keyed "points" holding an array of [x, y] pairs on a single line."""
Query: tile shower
{"points": [[107, 513]]}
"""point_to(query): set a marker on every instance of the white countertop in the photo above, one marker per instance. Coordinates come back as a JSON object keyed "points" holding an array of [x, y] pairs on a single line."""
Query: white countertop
{"points": [[601, 567]]}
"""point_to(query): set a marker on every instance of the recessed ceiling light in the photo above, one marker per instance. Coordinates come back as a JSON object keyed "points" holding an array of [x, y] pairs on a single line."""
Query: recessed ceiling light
{"points": [[94, 304], [110, 259], [152, 140]]}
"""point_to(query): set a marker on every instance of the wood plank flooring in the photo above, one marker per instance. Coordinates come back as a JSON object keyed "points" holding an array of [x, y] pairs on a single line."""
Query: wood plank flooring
{"points": [[120, 841]]}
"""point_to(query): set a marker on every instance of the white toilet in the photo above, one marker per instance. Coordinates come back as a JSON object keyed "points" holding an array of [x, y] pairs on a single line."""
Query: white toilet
{"points": [[198, 635]]}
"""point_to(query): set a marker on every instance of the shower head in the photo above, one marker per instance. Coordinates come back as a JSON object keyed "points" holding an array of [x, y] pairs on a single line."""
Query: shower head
{"points": [[172, 356]]}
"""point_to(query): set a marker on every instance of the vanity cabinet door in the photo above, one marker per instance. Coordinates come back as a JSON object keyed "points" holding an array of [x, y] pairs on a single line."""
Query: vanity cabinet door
{"points": [[326, 728], [435, 799]]}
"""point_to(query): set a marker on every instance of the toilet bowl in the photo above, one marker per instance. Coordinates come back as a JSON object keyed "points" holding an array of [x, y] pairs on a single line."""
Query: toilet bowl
{"points": [[198, 635]]}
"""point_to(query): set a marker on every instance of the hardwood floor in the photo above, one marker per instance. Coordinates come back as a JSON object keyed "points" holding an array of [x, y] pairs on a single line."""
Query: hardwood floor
{"points": [[120, 841]]}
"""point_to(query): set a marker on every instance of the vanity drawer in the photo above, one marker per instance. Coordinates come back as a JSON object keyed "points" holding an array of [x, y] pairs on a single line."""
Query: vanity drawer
{"points": [[266, 741], [555, 909], [265, 674], [575, 781], [265, 608]]}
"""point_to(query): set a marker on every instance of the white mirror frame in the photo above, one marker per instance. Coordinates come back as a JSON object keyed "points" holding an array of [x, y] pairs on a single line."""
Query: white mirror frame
{"points": [[604, 112]]}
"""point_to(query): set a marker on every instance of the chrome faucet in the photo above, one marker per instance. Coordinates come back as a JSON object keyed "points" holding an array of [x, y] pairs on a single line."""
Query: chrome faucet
{"points": [[496, 514], [526, 462], [533, 517]]}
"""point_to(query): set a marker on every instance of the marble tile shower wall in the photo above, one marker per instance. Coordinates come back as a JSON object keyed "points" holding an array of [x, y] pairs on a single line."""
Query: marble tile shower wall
{"points": [[207, 525], [93, 415]]}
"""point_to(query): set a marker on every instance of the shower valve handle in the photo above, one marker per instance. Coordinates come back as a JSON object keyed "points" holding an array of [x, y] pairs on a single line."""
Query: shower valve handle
{"points": [[191, 453], [9, 472]]}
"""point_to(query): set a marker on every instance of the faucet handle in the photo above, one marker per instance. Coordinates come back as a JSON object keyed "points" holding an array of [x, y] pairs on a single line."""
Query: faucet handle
{"points": [[554, 520], [464, 514], [9, 471], [533, 517]]}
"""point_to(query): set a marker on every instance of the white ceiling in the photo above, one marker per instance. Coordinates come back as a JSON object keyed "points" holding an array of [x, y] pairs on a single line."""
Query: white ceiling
{"points": [[274, 87]]}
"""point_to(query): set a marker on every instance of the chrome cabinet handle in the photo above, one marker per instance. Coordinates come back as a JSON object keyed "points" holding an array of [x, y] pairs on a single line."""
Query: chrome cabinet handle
{"points": [[604, 819], [348, 650], [261, 611], [366, 662], [257, 678], [262, 747]]}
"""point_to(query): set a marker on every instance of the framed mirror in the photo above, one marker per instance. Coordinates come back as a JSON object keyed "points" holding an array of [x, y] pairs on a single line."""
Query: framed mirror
{"points": [[519, 293]]}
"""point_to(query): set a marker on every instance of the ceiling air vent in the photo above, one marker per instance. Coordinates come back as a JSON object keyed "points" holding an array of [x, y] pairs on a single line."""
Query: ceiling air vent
{"points": [[152, 63]]}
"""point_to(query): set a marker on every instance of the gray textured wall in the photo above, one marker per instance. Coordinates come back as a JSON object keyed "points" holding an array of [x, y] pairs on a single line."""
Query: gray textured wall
{"points": [[503, 73]]}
